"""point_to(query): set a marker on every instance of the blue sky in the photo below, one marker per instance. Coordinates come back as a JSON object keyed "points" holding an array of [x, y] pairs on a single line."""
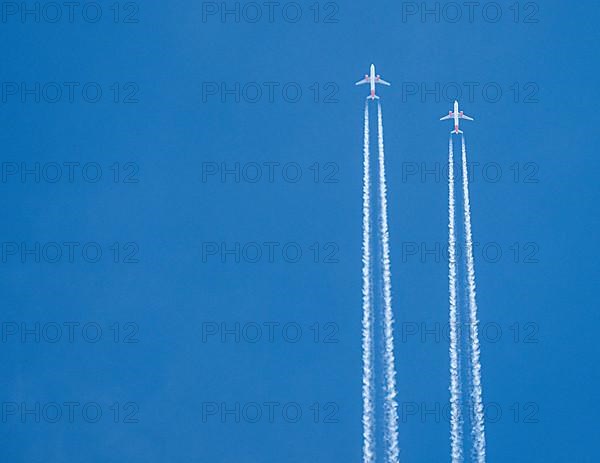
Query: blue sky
{"points": [[141, 325]]}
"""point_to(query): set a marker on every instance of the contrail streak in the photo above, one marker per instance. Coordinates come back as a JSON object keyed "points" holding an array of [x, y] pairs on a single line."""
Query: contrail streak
{"points": [[455, 390], [367, 320], [478, 429], [390, 405]]}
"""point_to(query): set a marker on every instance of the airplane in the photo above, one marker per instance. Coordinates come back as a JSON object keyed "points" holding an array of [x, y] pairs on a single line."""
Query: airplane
{"points": [[456, 115], [372, 79]]}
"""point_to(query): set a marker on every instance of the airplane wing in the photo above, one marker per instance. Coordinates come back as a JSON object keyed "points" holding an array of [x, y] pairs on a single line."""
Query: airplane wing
{"points": [[360, 82], [445, 118], [381, 81], [466, 117]]}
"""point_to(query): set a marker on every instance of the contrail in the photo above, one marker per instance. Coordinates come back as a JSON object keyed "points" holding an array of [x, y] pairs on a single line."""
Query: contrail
{"points": [[367, 325], [455, 390], [390, 405], [478, 428]]}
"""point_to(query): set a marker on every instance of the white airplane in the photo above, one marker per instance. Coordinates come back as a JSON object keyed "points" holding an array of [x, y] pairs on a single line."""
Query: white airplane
{"points": [[372, 79], [456, 115]]}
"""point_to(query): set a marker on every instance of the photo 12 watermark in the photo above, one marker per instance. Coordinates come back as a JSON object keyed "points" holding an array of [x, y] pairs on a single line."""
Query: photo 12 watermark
{"points": [[491, 172], [490, 332], [269, 332], [270, 252], [520, 92], [68, 252], [526, 413], [61, 12], [68, 92], [68, 332], [69, 172], [69, 411], [470, 12], [253, 172], [287, 92], [273, 412], [489, 252], [270, 12]]}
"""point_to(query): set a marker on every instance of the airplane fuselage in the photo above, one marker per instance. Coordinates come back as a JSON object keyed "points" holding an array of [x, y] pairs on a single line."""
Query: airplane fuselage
{"points": [[372, 81], [456, 115]]}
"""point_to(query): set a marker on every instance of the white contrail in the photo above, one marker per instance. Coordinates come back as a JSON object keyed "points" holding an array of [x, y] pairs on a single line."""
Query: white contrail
{"points": [[367, 325], [455, 390], [478, 429], [390, 405]]}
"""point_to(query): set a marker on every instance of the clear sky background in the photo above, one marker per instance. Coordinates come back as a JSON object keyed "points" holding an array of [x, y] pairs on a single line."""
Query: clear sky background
{"points": [[165, 122]]}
